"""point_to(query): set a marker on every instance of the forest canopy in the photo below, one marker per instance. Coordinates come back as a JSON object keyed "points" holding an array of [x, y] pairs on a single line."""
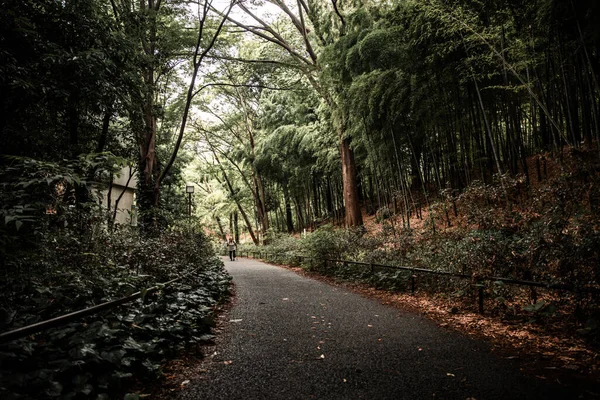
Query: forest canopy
{"points": [[293, 113]]}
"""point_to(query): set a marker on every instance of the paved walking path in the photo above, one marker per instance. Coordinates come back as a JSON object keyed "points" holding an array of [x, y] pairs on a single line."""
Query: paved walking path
{"points": [[295, 338]]}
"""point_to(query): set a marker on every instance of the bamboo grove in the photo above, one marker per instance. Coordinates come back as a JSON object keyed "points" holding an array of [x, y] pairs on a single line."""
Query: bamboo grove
{"points": [[417, 99], [301, 112]]}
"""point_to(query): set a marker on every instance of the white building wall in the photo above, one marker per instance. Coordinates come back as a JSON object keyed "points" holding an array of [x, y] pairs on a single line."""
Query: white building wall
{"points": [[126, 210]]}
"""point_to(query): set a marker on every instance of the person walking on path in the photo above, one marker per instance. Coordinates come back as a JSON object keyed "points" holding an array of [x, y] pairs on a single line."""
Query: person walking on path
{"points": [[231, 246]]}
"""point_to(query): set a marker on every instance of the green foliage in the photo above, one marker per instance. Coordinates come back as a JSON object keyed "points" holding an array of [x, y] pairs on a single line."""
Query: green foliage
{"points": [[101, 354], [59, 255], [325, 242], [59, 83], [40, 196], [552, 238]]}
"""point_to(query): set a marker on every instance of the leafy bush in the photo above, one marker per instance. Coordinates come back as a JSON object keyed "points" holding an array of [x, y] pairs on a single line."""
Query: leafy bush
{"points": [[546, 233], [101, 354], [71, 259]]}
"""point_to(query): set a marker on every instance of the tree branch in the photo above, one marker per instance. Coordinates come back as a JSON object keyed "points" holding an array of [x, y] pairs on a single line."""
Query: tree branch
{"points": [[275, 39], [244, 85], [337, 11], [190, 94], [251, 61], [299, 24]]}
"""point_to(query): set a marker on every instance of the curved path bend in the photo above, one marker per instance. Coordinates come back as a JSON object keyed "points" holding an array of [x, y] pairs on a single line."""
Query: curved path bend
{"points": [[291, 337]]}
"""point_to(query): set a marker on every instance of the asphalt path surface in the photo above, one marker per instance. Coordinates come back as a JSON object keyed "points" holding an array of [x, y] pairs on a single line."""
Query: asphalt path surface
{"points": [[290, 337]]}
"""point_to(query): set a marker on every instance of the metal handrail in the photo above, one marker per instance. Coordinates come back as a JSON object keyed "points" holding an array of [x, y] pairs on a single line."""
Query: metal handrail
{"points": [[477, 279], [63, 319], [510, 281]]}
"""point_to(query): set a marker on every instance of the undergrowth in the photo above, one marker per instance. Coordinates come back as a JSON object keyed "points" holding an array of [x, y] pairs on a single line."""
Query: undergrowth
{"points": [[100, 356], [548, 233], [70, 259]]}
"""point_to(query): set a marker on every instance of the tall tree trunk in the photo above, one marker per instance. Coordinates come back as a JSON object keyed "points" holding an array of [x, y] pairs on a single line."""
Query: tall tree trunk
{"points": [[235, 198], [329, 198], [315, 193], [288, 210], [298, 208], [237, 202], [261, 201], [350, 187], [148, 197], [221, 230], [236, 227]]}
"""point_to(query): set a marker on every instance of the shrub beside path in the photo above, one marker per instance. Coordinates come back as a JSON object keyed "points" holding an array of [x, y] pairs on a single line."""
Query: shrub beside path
{"points": [[290, 337]]}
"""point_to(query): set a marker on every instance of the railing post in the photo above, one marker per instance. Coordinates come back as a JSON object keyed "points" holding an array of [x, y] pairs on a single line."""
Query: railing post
{"points": [[413, 283], [372, 268], [533, 295]]}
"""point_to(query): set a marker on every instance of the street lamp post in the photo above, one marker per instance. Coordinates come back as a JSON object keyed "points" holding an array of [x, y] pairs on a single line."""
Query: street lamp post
{"points": [[189, 189]]}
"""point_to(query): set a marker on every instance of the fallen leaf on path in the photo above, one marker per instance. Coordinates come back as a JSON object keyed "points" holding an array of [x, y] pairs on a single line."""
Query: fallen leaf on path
{"points": [[449, 374], [235, 320], [285, 299], [572, 367], [185, 382], [227, 362]]}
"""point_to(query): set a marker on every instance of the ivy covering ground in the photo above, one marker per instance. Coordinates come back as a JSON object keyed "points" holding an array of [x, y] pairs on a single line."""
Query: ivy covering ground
{"points": [[101, 356]]}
